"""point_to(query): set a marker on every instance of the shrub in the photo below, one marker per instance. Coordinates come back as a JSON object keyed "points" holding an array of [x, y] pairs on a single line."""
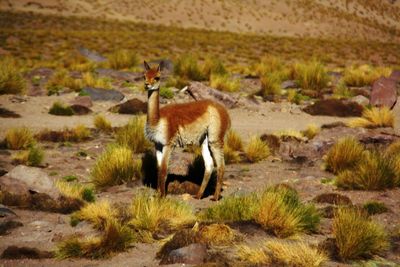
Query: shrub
{"points": [[357, 236], [18, 138], [374, 118], [80, 133], [61, 79], [98, 214], [270, 85], [122, 59], [132, 135], [90, 80], [166, 92], [269, 64], [187, 67], [375, 207], [75, 190], [35, 156], [234, 141], [311, 75], [311, 131], [213, 66], [257, 150], [224, 83], [102, 124], [61, 109], [345, 154], [373, 172], [113, 167], [115, 238], [150, 212], [342, 91], [11, 81], [364, 75]]}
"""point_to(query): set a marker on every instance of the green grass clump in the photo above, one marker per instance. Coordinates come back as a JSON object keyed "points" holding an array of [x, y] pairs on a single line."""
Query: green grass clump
{"points": [[345, 154], [224, 83], [132, 135], [357, 236], [35, 155], [256, 150], [75, 190], [364, 75], [187, 67], [150, 212], [61, 79], [113, 167], [374, 118], [166, 92], [61, 109], [70, 178], [18, 138], [122, 59], [11, 80], [102, 124], [372, 172], [311, 75], [375, 207]]}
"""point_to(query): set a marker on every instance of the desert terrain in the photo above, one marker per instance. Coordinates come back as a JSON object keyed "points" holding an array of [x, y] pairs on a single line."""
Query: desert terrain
{"points": [[312, 175]]}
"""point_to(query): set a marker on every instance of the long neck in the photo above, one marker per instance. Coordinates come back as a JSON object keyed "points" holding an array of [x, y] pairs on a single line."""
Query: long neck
{"points": [[153, 109]]}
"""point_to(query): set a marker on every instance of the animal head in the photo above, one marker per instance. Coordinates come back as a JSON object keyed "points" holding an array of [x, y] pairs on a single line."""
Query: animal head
{"points": [[152, 77]]}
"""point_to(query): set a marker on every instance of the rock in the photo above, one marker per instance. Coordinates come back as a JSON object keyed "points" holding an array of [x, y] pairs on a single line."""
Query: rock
{"points": [[384, 93], [364, 91], [191, 254], [334, 107], [91, 55], [289, 84], [82, 101], [199, 91], [333, 198], [395, 76], [8, 220], [360, 99], [132, 106], [97, 94], [14, 252], [5, 113], [120, 75], [80, 110]]}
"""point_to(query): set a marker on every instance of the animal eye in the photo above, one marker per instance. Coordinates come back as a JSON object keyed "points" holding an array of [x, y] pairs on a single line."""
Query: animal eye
{"points": [[157, 78]]}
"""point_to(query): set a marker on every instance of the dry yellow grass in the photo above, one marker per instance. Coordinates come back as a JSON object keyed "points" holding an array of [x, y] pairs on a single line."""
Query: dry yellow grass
{"points": [[256, 149], [11, 80], [18, 138], [122, 59], [81, 132], [91, 80], [234, 141], [98, 214], [357, 236], [132, 135], [311, 131], [253, 255], [364, 75], [230, 155], [75, 190], [290, 133], [217, 234], [224, 83], [374, 118], [101, 123], [311, 75]]}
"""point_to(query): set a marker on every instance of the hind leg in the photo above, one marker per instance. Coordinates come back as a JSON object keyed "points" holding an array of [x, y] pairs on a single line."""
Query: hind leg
{"points": [[163, 154], [217, 150], [208, 167]]}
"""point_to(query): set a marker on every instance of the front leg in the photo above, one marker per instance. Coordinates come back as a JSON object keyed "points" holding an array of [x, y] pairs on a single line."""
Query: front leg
{"points": [[163, 153]]}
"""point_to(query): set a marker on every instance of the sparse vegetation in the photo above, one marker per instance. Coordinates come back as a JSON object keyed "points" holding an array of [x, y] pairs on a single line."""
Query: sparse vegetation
{"points": [[122, 59], [311, 75], [187, 67], [224, 83], [375, 207], [234, 141], [35, 155], [357, 236], [102, 124], [213, 66], [166, 92], [364, 75], [270, 85], [75, 190], [374, 118], [91, 80], [98, 214], [256, 150], [345, 154], [18, 138], [113, 167], [61, 109], [132, 135], [60, 80], [311, 131], [11, 80], [230, 155]]}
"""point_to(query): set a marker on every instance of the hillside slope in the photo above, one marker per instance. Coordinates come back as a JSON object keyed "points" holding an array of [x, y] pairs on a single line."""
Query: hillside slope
{"points": [[367, 20]]}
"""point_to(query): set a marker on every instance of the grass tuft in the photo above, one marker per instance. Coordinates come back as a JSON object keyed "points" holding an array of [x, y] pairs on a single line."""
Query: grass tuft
{"points": [[311, 131], [224, 83], [357, 236], [166, 92], [270, 85], [188, 68], [311, 75], [230, 155], [35, 156], [113, 167], [364, 75], [61, 109], [19, 138], [257, 150], [150, 212], [122, 59], [374, 118], [75, 190], [256, 256], [102, 124], [132, 135], [98, 214], [217, 234], [11, 80], [213, 66], [234, 141], [91, 80], [375, 207], [345, 154]]}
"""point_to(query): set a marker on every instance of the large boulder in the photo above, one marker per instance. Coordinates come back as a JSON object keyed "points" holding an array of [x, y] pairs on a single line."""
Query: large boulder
{"points": [[98, 94], [199, 91], [80, 109], [384, 93], [82, 101], [191, 254], [335, 107], [360, 99], [132, 106], [395, 76]]}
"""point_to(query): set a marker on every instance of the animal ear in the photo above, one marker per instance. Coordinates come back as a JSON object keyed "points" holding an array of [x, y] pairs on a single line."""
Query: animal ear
{"points": [[146, 66], [160, 66]]}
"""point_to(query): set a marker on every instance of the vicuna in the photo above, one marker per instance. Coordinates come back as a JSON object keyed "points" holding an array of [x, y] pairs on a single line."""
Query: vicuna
{"points": [[196, 123]]}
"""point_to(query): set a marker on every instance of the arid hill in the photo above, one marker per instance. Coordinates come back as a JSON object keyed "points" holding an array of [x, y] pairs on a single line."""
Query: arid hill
{"points": [[369, 20]]}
